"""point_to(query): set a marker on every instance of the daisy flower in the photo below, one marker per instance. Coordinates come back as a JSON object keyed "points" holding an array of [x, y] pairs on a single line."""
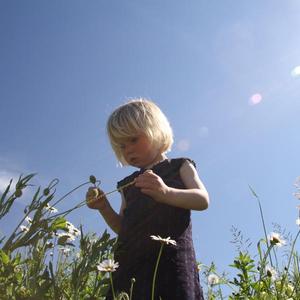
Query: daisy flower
{"points": [[28, 220], [24, 228], [271, 272], [65, 251], [108, 265], [297, 182], [297, 195], [69, 237], [166, 241], [276, 239], [213, 279], [72, 229], [51, 209]]}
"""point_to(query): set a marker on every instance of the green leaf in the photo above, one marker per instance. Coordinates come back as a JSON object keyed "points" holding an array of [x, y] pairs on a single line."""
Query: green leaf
{"points": [[59, 223], [4, 257]]}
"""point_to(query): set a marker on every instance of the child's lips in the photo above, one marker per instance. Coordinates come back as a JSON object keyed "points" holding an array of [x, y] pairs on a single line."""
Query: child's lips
{"points": [[133, 159]]}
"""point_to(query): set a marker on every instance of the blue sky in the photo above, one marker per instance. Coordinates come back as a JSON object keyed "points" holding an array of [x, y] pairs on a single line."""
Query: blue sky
{"points": [[226, 73]]}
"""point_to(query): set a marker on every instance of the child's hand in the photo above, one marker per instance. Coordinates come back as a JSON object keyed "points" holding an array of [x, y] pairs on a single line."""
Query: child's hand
{"points": [[95, 198], [152, 185]]}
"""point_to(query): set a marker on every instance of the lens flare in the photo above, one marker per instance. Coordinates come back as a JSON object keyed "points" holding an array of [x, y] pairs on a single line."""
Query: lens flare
{"points": [[183, 145], [255, 99], [296, 72]]}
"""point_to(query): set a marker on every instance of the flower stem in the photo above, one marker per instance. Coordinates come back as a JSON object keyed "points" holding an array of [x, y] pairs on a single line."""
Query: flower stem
{"points": [[131, 288], [292, 251], [155, 271], [112, 286], [84, 202], [263, 222]]}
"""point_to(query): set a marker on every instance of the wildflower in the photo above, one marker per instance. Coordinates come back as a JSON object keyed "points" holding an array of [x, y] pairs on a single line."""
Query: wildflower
{"points": [[108, 265], [17, 269], [276, 239], [28, 220], [213, 279], [72, 229], [297, 195], [271, 272], [65, 251], [298, 221], [166, 241], [297, 182], [69, 237], [24, 228], [51, 209], [49, 245]]}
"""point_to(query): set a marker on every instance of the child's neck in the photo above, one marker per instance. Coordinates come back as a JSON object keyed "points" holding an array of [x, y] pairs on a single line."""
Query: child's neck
{"points": [[157, 160]]}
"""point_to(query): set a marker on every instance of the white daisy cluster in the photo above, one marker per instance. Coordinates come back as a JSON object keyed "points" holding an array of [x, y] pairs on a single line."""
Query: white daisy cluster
{"points": [[108, 265], [71, 235], [72, 229], [276, 239]]}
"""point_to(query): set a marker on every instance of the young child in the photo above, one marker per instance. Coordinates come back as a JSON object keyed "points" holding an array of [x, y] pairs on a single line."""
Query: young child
{"points": [[158, 202]]}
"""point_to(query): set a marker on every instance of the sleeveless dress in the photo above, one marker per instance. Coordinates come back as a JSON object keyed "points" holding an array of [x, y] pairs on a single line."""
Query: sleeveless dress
{"points": [[177, 276]]}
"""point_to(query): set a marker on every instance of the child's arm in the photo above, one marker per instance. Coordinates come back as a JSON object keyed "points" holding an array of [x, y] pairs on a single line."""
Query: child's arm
{"points": [[100, 202], [194, 197]]}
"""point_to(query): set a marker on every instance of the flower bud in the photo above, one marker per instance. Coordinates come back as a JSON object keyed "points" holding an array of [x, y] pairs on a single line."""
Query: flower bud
{"points": [[46, 191], [93, 179], [18, 193]]}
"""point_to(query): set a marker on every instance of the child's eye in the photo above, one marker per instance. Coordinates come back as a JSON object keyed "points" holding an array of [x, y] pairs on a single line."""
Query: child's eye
{"points": [[134, 140], [129, 141]]}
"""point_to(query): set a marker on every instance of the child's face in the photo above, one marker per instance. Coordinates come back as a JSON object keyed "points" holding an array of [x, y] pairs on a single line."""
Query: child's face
{"points": [[139, 152]]}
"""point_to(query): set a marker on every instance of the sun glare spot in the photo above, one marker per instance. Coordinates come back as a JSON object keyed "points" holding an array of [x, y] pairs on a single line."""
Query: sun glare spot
{"points": [[255, 99], [183, 145], [296, 72]]}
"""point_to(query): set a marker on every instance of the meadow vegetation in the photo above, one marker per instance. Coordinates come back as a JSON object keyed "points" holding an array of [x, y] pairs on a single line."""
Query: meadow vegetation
{"points": [[47, 257]]}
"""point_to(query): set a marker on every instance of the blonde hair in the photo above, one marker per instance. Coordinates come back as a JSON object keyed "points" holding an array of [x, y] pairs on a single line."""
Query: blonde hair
{"points": [[135, 117]]}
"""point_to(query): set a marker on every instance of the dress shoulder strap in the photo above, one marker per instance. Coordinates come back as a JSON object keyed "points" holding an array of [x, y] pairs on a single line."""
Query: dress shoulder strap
{"points": [[180, 161]]}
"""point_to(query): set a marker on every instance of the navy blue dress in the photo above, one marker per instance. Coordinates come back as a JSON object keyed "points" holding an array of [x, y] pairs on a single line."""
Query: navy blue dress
{"points": [[136, 252]]}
